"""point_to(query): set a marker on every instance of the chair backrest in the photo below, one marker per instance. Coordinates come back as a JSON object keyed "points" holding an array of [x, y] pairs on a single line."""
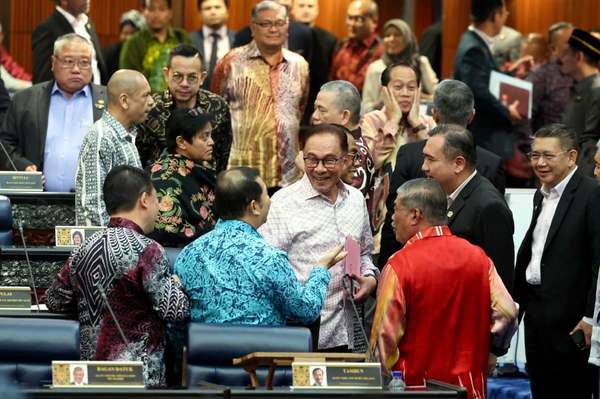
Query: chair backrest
{"points": [[211, 349], [28, 346], [6, 221]]}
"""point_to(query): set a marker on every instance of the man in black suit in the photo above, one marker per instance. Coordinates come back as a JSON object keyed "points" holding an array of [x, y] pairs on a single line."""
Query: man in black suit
{"points": [[45, 124], [473, 64], [323, 46], [557, 269], [70, 16], [213, 40], [452, 104], [4, 100], [299, 36]]}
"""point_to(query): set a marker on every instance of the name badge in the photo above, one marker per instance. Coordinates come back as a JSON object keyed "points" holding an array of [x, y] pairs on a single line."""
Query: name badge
{"points": [[21, 181], [15, 298], [97, 374], [313, 375]]}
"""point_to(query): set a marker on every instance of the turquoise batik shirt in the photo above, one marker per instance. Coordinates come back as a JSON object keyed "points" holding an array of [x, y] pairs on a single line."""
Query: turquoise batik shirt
{"points": [[233, 275]]}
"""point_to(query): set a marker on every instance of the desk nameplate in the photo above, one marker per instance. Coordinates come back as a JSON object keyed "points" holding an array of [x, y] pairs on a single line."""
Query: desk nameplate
{"points": [[336, 375], [74, 236], [15, 298], [21, 181], [97, 374]]}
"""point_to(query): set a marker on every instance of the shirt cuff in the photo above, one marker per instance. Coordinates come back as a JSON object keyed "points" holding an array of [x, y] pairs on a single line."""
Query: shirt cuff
{"points": [[588, 320]]}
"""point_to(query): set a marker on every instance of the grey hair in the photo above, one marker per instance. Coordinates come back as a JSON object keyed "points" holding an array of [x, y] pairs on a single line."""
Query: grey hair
{"points": [[555, 27], [454, 102], [426, 195], [268, 5], [346, 97], [69, 38]]}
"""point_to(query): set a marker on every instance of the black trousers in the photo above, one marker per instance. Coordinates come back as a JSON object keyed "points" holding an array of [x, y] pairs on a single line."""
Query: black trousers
{"points": [[557, 373]]}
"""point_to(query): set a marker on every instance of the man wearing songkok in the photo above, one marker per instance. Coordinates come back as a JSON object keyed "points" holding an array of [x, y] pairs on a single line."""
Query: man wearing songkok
{"points": [[45, 124], [184, 75], [557, 269], [110, 142], [582, 112], [132, 270], [266, 87], [233, 275], [441, 306], [315, 215]]}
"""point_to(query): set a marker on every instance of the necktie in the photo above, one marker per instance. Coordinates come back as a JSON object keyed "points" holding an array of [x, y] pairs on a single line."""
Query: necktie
{"points": [[213, 59]]}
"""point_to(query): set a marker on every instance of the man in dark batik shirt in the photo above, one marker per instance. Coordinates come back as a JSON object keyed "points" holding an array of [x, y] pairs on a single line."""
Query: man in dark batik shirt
{"points": [[134, 273], [184, 75]]}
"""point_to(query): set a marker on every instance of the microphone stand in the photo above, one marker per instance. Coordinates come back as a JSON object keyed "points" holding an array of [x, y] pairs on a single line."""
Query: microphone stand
{"points": [[112, 314], [347, 288]]}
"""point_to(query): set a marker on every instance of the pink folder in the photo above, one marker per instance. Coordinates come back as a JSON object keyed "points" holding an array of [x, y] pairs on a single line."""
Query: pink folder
{"points": [[352, 260]]}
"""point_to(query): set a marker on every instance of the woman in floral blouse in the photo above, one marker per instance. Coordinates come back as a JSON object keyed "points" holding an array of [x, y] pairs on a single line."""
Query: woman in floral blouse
{"points": [[183, 181]]}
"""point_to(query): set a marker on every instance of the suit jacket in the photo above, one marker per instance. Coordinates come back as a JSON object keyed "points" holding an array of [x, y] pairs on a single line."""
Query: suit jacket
{"points": [[197, 39], [569, 263], [408, 166], [112, 54], [42, 45], [299, 39], [4, 100], [24, 129], [473, 65], [323, 46]]}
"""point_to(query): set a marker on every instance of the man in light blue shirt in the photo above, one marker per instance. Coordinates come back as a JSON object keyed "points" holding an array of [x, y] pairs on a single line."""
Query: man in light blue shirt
{"points": [[233, 275], [45, 124]]}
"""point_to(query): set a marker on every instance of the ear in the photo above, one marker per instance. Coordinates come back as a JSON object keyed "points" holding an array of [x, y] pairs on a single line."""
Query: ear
{"points": [[471, 116], [203, 76], [345, 117], [254, 208], [460, 164], [143, 200], [416, 215], [573, 157], [123, 101], [165, 72]]}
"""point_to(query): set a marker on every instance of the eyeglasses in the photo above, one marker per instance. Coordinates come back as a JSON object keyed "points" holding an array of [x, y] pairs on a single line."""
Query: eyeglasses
{"points": [[329, 163], [548, 156], [192, 78], [280, 23], [69, 63]]}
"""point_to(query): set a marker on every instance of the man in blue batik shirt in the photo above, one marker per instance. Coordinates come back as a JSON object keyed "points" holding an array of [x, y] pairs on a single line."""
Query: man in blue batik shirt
{"points": [[233, 275]]}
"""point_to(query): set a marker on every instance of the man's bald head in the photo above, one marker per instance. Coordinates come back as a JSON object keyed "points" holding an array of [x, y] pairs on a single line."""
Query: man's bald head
{"points": [[124, 81], [236, 188]]}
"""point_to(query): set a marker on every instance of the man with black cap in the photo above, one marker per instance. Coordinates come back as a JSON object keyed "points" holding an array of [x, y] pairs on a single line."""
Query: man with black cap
{"points": [[582, 113]]}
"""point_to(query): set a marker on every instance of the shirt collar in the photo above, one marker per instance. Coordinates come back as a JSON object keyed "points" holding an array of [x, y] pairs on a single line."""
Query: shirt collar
{"points": [[489, 41], [116, 125], [462, 186], [560, 187], [433, 231], [367, 41], [80, 19], [254, 52], [235, 224], [85, 91], [126, 223], [206, 31], [308, 191]]}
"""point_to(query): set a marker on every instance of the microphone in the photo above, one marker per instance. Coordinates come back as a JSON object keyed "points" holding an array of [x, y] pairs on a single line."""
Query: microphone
{"points": [[20, 223], [35, 295], [112, 314], [347, 288]]}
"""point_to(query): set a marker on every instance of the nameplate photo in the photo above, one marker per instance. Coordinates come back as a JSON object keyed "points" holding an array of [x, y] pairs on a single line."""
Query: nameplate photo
{"points": [[21, 181], [338, 375], [74, 236], [97, 374], [15, 298]]}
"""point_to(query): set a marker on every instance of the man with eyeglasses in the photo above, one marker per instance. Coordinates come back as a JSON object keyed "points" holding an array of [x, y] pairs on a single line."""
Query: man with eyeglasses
{"points": [[313, 216], [557, 269], [266, 87], [362, 47], [45, 124], [184, 75]]}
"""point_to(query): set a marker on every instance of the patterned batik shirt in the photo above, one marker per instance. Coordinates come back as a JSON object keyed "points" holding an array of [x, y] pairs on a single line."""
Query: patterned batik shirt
{"points": [[134, 273], [234, 276], [151, 140], [186, 197], [105, 146], [353, 57], [266, 104], [308, 226]]}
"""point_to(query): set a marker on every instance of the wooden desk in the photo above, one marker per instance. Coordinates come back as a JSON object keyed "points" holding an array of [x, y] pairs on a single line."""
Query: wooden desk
{"points": [[252, 361]]}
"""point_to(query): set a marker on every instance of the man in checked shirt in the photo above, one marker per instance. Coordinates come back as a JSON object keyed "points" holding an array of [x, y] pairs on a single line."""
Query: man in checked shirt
{"points": [[313, 216]]}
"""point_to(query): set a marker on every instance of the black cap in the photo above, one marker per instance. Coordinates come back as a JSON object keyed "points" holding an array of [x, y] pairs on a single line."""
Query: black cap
{"points": [[585, 42]]}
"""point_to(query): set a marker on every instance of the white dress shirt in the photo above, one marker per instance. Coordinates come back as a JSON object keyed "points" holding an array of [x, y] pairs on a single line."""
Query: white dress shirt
{"points": [[533, 273], [79, 26], [487, 39], [223, 45], [452, 197]]}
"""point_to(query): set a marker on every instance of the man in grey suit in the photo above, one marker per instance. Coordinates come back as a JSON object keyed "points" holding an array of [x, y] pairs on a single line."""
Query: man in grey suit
{"points": [[45, 124], [214, 39]]}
